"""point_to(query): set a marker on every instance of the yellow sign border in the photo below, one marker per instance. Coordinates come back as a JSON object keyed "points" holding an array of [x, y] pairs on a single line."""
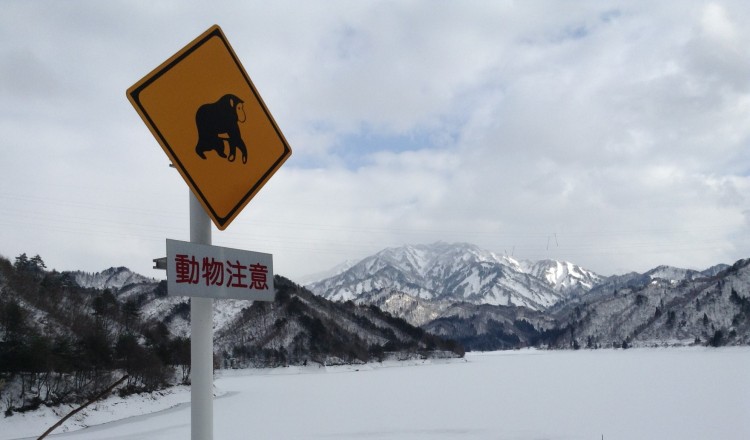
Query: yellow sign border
{"points": [[133, 94]]}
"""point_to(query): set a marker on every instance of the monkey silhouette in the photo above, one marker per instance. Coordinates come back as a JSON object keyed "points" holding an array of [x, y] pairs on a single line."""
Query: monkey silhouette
{"points": [[217, 124]]}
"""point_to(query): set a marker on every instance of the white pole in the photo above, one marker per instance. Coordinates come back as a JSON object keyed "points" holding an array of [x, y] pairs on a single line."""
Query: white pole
{"points": [[201, 340]]}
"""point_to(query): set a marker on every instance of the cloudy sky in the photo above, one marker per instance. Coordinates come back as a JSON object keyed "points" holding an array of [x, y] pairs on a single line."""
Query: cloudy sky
{"points": [[615, 135]]}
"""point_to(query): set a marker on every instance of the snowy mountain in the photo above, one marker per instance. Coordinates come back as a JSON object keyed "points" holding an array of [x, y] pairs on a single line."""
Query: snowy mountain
{"points": [[665, 311], [663, 307], [114, 278], [489, 302], [459, 272], [672, 274], [676, 274]]}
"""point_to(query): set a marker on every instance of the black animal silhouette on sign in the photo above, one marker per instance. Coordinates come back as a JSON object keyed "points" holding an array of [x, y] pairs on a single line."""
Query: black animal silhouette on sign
{"points": [[217, 124]]}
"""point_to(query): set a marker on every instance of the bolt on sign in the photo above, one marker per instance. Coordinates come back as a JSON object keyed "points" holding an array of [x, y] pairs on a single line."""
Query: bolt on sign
{"points": [[210, 120], [218, 272]]}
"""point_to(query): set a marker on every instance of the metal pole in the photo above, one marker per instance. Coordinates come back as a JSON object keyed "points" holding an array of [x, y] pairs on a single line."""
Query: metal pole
{"points": [[201, 340]]}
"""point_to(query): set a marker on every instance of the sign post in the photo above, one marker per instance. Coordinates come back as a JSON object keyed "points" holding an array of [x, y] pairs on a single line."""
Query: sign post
{"points": [[201, 340], [209, 119]]}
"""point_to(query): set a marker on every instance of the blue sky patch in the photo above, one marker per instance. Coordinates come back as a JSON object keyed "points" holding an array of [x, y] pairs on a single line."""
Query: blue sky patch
{"points": [[356, 149]]}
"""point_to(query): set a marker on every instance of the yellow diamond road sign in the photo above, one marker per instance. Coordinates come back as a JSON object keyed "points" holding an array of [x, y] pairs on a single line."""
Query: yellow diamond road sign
{"points": [[210, 120]]}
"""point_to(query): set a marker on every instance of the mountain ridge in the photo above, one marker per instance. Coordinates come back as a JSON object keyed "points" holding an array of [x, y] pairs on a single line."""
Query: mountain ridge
{"points": [[459, 272], [555, 304], [110, 278]]}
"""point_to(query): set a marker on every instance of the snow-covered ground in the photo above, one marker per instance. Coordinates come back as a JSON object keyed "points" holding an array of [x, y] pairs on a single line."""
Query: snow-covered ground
{"points": [[675, 393]]}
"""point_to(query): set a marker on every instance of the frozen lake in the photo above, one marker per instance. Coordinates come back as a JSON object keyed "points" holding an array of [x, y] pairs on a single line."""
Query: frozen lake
{"points": [[681, 393]]}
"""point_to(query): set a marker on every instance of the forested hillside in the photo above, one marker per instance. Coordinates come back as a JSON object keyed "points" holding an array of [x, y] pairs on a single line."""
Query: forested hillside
{"points": [[656, 309], [703, 310], [61, 342], [300, 327]]}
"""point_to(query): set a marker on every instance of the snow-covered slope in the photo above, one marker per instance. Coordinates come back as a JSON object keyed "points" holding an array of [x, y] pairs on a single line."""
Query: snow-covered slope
{"points": [[416, 311], [563, 276], [458, 272]]}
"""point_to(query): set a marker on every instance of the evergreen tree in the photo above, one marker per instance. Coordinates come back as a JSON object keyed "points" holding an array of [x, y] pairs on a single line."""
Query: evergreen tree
{"points": [[37, 263], [22, 262], [718, 339], [131, 311]]}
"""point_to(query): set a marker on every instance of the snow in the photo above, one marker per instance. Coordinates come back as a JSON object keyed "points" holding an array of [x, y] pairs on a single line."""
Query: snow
{"points": [[675, 393], [105, 413], [226, 310]]}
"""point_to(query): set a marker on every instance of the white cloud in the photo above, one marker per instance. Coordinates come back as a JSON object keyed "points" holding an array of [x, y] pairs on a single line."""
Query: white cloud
{"points": [[614, 135]]}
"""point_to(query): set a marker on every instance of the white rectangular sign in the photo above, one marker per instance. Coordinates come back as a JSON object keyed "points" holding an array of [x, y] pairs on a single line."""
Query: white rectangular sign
{"points": [[218, 272]]}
